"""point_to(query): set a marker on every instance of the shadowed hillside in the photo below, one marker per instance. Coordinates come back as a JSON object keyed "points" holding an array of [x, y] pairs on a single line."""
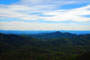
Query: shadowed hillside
{"points": [[84, 56], [46, 46]]}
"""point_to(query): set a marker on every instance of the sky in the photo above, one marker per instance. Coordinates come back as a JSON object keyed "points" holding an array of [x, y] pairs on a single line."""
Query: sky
{"points": [[44, 14]]}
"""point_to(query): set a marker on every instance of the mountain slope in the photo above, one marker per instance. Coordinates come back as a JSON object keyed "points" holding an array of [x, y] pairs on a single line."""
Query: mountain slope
{"points": [[25, 47], [84, 56], [53, 35]]}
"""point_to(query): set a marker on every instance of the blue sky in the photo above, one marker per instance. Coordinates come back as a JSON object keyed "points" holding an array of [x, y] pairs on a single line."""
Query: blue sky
{"points": [[44, 15], [6, 2]]}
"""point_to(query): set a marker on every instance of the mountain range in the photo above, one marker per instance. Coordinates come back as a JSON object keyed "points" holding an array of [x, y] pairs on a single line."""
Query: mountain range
{"points": [[44, 46], [18, 32]]}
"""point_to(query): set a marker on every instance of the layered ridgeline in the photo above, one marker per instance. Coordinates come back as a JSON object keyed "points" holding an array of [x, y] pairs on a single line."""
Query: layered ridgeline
{"points": [[53, 35], [18, 32], [45, 46]]}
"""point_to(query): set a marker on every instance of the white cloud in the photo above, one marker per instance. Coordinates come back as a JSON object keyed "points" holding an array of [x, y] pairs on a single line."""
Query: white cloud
{"points": [[17, 11], [18, 25], [44, 10], [51, 2], [25, 13], [76, 14]]}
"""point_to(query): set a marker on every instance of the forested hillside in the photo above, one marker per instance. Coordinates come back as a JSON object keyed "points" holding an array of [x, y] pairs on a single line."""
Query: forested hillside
{"points": [[48, 46]]}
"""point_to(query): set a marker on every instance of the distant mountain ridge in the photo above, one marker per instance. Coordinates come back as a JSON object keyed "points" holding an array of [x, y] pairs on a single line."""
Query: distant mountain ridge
{"points": [[52, 35], [39, 32]]}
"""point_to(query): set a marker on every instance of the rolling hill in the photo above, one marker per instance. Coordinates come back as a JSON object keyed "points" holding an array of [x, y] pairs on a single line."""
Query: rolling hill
{"points": [[58, 46]]}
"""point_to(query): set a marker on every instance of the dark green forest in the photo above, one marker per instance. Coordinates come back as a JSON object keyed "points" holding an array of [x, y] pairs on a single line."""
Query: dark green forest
{"points": [[46, 46]]}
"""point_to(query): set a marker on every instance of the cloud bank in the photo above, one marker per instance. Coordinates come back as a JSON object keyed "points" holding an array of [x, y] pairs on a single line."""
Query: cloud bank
{"points": [[18, 25], [45, 10]]}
